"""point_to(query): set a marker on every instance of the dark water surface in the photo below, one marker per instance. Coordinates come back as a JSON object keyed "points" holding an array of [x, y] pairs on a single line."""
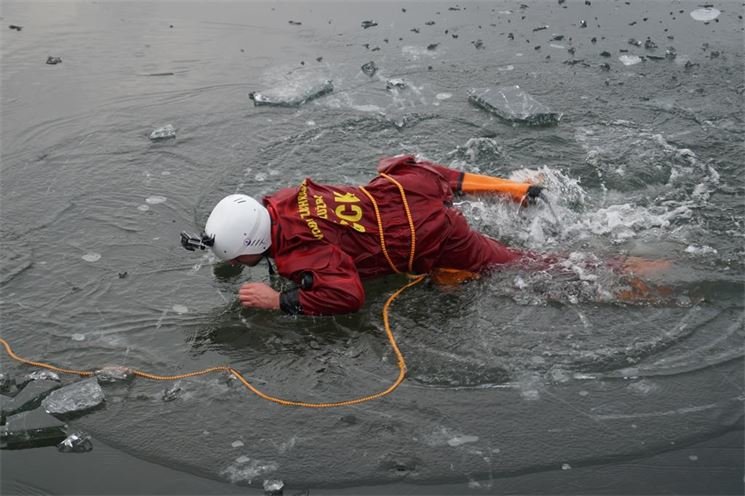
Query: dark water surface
{"points": [[520, 382]]}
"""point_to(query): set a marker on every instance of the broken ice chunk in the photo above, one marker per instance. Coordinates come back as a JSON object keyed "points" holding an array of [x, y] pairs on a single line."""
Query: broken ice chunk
{"points": [[705, 14], [30, 396], [77, 442], [395, 83], [513, 104], [75, 398], [629, 59], [32, 429], [162, 133], [172, 393], [273, 487], [113, 373], [6, 383], [370, 68], [39, 375], [292, 97]]}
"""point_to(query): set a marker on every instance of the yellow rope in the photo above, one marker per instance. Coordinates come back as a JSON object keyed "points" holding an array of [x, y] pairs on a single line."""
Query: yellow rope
{"points": [[408, 217], [380, 231], [223, 368], [400, 362]]}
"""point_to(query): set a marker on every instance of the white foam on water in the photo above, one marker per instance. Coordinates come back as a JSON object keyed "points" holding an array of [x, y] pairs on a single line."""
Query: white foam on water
{"points": [[91, 256], [529, 385], [367, 108], [416, 52], [445, 436], [78, 337], [566, 466], [143, 208], [554, 45], [701, 250], [444, 96], [629, 59], [246, 469], [460, 440], [506, 68], [705, 14], [643, 387], [155, 199]]}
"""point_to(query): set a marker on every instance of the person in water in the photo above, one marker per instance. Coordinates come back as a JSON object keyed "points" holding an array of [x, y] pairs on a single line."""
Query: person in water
{"points": [[329, 238]]}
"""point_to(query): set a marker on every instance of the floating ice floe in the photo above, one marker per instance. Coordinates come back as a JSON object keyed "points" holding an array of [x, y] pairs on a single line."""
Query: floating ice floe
{"points": [[293, 96], [92, 257], [705, 14], [443, 96], [513, 104], [75, 398], [143, 208], [29, 398], [629, 59], [31, 429], [78, 337], [162, 133]]}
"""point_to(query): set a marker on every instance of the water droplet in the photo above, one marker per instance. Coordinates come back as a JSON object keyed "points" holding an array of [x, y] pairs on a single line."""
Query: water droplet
{"points": [[180, 309]]}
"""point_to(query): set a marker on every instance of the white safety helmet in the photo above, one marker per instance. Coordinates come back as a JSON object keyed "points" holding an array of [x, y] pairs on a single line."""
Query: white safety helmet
{"points": [[240, 226]]}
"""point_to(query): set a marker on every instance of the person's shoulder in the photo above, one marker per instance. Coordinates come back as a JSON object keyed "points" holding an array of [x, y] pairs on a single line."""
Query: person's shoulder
{"points": [[388, 164], [407, 165]]}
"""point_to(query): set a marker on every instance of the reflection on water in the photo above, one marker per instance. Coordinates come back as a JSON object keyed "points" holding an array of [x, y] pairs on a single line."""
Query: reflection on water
{"points": [[518, 371]]}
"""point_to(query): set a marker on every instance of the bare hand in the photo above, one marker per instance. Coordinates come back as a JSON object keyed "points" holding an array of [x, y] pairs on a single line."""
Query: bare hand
{"points": [[258, 295]]}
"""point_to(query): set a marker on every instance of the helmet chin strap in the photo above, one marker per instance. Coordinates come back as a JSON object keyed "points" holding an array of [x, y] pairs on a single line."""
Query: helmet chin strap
{"points": [[272, 271]]}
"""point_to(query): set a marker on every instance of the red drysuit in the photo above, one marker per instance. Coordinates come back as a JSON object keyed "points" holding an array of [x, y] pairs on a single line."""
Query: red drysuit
{"points": [[326, 237]]}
